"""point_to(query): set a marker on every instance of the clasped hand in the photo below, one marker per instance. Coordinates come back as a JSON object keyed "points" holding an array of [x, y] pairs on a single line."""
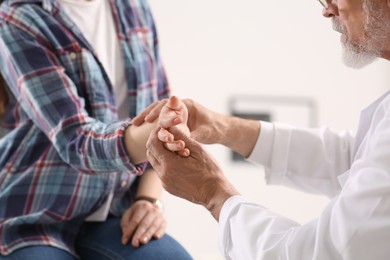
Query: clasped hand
{"points": [[185, 168]]}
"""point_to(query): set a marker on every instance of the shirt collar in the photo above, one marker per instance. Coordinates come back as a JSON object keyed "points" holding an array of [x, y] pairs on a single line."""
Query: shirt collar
{"points": [[46, 4]]}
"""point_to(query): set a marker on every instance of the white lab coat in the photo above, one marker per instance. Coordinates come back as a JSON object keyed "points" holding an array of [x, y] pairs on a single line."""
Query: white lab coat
{"points": [[353, 172]]}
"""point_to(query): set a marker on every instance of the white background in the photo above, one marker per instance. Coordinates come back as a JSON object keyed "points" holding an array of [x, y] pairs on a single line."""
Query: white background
{"points": [[216, 49]]}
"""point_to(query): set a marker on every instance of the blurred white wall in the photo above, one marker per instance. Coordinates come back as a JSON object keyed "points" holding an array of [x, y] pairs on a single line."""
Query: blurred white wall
{"points": [[217, 49]]}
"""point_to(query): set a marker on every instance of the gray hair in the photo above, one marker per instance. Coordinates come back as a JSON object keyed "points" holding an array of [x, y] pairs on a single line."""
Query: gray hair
{"points": [[375, 24]]}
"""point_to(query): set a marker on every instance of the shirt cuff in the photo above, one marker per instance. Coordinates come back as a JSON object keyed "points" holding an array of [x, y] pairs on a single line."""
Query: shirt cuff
{"points": [[261, 153], [229, 208], [224, 231]]}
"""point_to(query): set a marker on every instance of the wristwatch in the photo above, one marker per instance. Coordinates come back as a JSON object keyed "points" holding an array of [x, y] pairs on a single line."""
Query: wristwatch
{"points": [[154, 201]]}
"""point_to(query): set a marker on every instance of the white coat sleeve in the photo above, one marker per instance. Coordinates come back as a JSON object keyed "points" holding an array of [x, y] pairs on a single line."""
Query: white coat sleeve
{"points": [[355, 225], [306, 159]]}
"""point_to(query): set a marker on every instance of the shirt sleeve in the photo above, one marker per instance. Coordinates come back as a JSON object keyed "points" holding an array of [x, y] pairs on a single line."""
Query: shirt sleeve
{"points": [[306, 159], [163, 89], [51, 101]]}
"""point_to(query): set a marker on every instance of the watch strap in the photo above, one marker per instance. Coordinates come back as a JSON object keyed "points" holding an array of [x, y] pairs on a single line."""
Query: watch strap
{"points": [[154, 201]]}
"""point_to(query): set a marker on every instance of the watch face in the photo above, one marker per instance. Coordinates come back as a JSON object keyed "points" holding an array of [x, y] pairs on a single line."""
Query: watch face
{"points": [[158, 204]]}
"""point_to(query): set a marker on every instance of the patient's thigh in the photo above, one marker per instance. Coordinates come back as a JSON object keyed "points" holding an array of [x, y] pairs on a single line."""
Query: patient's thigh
{"points": [[102, 241], [39, 253]]}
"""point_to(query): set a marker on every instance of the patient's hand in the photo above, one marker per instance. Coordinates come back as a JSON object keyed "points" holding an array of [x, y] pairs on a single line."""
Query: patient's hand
{"points": [[175, 112]]}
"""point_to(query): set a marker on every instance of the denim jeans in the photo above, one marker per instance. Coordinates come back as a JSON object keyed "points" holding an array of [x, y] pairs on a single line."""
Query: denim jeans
{"points": [[39, 252], [102, 241]]}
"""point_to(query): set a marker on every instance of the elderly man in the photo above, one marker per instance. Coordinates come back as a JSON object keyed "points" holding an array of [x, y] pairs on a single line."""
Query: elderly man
{"points": [[352, 170]]}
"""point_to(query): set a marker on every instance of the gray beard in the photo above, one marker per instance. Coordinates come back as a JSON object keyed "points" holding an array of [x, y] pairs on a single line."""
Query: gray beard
{"points": [[362, 54], [356, 58]]}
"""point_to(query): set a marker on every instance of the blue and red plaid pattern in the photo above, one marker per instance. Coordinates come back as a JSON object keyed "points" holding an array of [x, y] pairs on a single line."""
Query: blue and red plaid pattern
{"points": [[61, 144]]}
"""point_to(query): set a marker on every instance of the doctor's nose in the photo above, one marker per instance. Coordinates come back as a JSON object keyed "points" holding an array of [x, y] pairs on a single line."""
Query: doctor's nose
{"points": [[329, 8]]}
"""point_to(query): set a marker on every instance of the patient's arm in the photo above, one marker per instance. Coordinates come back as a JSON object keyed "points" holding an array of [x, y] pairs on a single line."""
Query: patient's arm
{"points": [[137, 135]]}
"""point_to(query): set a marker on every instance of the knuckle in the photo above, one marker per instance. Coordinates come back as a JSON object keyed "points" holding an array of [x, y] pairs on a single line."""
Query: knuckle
{"points": [[140, 230], [154, 226], [133, 223]]}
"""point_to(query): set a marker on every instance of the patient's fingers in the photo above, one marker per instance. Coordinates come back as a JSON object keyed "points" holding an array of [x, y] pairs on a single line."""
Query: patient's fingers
{"points": [[165, 136], [184, 152], [171, 120], [175, 146]]}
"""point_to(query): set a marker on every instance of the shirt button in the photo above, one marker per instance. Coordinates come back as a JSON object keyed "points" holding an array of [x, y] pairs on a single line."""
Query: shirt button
{"points": [[140, 35], [72, 55], [123, 183]]}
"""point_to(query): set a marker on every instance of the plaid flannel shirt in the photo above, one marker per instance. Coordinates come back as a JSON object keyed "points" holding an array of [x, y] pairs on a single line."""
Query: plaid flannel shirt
{"points": [[61, 145]]}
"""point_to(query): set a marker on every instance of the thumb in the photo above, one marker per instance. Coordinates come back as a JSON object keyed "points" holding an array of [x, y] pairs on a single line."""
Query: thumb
{"points": [[174, 103], [172, 113]]}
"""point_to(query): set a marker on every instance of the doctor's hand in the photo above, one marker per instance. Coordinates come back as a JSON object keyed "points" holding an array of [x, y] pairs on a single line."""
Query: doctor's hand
{"points": [[142, 222], [150, 113], [196, 178]]}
